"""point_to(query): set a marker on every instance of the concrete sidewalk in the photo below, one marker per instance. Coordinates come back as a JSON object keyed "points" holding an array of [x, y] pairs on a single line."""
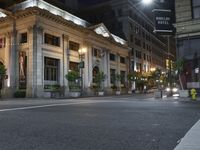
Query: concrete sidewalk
{"points": [[191, 141]]}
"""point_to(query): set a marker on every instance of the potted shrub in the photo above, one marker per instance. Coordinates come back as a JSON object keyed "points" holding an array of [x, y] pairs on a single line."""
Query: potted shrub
{"points": [[179, 66], [131, 80], [118, 81], [73, 82], [98, 80], [2, 76]]}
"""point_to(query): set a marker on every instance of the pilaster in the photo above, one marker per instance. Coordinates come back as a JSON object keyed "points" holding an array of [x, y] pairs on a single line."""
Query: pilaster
{"points": [[35, 62]]}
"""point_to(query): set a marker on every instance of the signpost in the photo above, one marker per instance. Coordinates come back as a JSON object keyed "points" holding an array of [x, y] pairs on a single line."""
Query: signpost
{"points": [[163, 26]]}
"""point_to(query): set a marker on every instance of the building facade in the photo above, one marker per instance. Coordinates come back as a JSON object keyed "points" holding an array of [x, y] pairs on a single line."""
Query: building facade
{"points": [[188, 39], [124, 18], [40, 44]]}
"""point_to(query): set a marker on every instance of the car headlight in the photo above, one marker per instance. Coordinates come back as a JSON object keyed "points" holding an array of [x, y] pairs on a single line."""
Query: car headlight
{"points": [[174, 89], [168, 89]]}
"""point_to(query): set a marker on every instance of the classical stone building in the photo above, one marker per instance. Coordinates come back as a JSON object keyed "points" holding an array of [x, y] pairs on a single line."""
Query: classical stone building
{"points": [[40, 44], [188, 39]]}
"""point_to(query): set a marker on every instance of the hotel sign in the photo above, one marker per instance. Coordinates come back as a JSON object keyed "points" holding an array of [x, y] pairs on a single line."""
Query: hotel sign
{"points": [[163, 21]]}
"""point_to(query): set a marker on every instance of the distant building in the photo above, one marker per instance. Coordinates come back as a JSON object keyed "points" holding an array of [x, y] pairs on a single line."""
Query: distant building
{"points": [[40, 44], [126, 19], [188, 39]]}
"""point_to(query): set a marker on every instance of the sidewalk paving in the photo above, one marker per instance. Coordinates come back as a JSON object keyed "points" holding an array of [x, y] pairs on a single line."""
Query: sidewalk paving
{"points": [[191, 141]]}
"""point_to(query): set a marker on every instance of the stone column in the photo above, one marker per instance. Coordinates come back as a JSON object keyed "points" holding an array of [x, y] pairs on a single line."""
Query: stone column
{"points": [[88, 70], [35, 63], [66, 64], [11, 62], [105, 67], [8, 89]]}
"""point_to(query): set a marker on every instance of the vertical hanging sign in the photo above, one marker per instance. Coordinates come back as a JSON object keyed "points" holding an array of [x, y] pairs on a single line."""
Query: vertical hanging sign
{"points": [[163, 21]]}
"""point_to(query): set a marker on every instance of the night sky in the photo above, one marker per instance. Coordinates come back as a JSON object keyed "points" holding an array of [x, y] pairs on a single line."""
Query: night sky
{"points": [[86, 3]]}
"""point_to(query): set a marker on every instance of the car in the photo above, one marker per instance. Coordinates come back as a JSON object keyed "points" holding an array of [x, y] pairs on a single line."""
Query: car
{"points": [[172, 90]]}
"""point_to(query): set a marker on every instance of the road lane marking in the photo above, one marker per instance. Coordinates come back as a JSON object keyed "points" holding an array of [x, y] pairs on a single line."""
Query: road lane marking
{"points": [[49, 105]]}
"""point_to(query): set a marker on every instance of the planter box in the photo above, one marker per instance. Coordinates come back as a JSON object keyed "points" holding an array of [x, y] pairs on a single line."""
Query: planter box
{"points": [[129, 92], [100, 93], [137, 92], [158, 94], [74, 94], [183, 93], [118, 92]]}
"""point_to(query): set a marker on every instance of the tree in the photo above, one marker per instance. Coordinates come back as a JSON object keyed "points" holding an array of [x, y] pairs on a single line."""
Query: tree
{"points": [[118, 78], [179, 66], [98, 79], [73, 77]]}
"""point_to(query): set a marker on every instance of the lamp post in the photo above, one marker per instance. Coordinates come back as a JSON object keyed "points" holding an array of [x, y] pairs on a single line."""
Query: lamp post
{"points": [[81, 53]]}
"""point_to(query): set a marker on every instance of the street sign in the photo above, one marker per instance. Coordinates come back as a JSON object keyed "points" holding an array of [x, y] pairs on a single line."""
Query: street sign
{"points": [[81, 64]]}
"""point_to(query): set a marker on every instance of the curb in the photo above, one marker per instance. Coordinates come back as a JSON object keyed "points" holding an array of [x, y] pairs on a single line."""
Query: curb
{"points": [[191, 141]]}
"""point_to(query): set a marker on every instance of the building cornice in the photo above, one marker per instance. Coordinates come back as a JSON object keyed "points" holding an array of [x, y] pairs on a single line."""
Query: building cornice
{"points": [[35, 11]]}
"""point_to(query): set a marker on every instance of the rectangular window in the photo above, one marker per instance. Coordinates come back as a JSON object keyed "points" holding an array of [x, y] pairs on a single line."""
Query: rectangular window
{"points": [[2, 42], [96, 53], [196, 9], [144, 56], [23, 38], [132, 51], [112, 57], [122, 60], [138, 54], [73, 66], [139, 67], [132, 65], [73, 46], [51, 39], [131, 38], [112, 76], [123, 74], [144, 46], [137, 42], [51, 69], [119, 12]]}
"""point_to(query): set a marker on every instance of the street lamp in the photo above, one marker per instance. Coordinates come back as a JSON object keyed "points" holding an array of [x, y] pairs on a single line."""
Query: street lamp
{"points": [[147, 2], [81, 53]]}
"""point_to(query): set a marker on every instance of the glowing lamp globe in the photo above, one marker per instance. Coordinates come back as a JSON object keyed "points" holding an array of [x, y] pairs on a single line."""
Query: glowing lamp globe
{"points": [[147, 2]]}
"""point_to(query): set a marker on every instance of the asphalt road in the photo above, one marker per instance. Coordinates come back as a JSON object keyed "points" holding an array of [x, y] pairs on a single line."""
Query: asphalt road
{"points": [[109, 123]]}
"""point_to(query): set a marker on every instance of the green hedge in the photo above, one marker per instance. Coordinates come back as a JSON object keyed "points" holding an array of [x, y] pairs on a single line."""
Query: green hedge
{"points": [[20, 94]]}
